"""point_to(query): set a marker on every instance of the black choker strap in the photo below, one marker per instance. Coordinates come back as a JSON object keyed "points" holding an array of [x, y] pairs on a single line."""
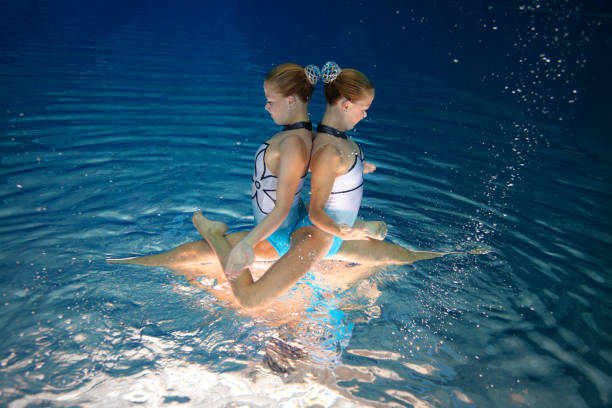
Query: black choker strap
{"points": [[331, 131], [298, 125]]}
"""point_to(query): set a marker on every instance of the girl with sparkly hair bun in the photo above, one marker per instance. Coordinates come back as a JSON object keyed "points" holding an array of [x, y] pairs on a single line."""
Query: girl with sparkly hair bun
{"points": [[337, 166], [280, 168], [293, 79], [348, 83]]}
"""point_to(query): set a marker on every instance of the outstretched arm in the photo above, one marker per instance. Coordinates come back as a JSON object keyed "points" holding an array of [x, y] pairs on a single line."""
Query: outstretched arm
{"points": [[368, 167]]}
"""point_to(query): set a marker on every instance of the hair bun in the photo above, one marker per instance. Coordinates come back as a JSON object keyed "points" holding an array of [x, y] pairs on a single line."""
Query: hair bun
{"points": [[330, 72], [313, 73]]}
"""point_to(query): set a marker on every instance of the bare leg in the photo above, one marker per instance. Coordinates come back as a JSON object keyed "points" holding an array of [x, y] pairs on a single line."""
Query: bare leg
{"points": [[214, 233], [196, 252], [308, 246], [376, 252]]}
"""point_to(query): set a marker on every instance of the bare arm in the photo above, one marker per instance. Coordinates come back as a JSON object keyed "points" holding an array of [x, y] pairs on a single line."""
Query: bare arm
{"points": [[368, 167]]}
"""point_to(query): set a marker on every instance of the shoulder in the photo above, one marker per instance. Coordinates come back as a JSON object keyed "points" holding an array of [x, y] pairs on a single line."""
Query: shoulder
{"points": [[291, 151], [324, 144], [327, 153], [293, 144]]}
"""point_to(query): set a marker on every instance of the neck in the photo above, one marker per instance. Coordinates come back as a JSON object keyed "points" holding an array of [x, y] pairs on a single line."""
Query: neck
{"points": [[299, 114], [333, 118]]}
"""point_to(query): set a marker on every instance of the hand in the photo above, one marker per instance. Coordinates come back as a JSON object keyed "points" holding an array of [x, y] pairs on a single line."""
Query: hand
{"points": [[240, 257], [353, 234], [368, 167], [376, 229]]}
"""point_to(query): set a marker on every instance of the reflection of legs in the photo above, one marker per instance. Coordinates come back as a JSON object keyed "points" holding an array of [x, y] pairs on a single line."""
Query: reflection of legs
{"points": [[308, 246], [380, 253]]}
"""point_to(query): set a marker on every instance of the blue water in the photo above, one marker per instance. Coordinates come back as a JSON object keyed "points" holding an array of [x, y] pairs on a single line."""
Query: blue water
{"points": [[490, 129]]}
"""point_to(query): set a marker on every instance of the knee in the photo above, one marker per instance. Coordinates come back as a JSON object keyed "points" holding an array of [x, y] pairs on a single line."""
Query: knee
{"points": [[247, 299], [311, 233]]}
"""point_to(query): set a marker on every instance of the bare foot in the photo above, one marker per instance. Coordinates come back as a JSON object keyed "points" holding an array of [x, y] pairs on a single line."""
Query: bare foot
{"points": [[479, 251], [376, 229], [206, 226]]}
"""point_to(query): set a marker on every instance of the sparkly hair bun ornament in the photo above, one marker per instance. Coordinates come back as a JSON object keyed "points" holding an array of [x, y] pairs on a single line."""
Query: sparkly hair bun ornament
{"points": [[313, 73], [330, 72]]}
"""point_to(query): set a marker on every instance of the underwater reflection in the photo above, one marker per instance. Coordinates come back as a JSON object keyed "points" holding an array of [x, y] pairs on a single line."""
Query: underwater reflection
{"points": [[318, 299], [311, 330]]}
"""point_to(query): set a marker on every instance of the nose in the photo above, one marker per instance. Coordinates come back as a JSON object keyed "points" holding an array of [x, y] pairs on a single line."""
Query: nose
{"points": [[267, 106], [365, 115]]}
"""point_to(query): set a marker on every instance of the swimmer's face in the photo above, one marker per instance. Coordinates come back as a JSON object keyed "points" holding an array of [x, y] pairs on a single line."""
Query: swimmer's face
{"points": [[277, 105], [355, 111]]}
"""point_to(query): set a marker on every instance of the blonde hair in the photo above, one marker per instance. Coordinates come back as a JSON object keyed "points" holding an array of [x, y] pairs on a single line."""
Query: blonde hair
{"points": [[350, 84], [291, 79]]}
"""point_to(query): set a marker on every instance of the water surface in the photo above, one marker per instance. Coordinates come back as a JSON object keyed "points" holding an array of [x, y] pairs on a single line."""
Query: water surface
{"points": [[487, 131]]}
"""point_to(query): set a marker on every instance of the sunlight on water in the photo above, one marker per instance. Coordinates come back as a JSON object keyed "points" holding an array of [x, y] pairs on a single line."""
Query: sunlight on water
{"points": [[179, 382]]}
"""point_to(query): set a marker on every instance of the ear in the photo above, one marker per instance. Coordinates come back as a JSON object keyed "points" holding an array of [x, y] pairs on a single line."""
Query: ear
{"points": [[291, 99], [345, 105]]}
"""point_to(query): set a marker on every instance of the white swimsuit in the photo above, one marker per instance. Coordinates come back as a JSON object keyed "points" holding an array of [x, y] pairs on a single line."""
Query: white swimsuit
{"points": [[263, 201], [263, 190], [345, 199]]}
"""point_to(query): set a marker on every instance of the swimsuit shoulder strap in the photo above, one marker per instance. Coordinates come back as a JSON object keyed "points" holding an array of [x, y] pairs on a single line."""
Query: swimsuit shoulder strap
{"points": [[331, 131]]}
